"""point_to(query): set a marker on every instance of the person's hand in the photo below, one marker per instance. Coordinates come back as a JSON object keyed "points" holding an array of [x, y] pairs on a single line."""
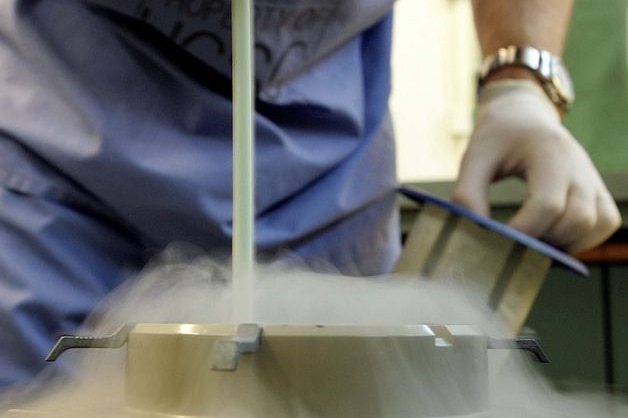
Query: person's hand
{"points": [[519, 133]]}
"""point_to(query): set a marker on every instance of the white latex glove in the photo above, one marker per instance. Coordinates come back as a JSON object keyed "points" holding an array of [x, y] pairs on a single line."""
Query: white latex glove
{"points": [[519, 133]]}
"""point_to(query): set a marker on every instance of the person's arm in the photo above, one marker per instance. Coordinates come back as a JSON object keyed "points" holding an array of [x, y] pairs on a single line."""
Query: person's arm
{"points": [[539, 23], [518, 132]]}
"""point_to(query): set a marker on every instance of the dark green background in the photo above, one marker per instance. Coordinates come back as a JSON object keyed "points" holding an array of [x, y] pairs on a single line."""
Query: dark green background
{"points": [[596, 57]]}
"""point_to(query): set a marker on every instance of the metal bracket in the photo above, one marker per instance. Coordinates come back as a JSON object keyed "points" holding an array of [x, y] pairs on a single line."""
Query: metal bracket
{"points": [[527, 344], [66, 342], [227, 351]]}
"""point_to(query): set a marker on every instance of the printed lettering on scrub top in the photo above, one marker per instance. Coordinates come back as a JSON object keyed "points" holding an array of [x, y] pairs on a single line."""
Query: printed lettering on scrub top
{"points": [[290, 35]]}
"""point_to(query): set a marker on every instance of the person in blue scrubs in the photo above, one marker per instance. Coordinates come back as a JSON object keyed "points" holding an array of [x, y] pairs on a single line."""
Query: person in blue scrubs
{"points": [[115, 141]]}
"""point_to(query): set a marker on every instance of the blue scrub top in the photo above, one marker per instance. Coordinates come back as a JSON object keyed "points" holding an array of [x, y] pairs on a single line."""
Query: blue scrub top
{"points": [[126, 122]]}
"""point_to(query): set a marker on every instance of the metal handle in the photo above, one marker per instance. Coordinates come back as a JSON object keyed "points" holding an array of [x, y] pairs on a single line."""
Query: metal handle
{"points": [[530, 345], [66, 342]]}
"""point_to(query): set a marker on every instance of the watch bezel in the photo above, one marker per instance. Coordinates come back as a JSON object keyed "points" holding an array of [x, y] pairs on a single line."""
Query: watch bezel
{"points": [[561, 81]]}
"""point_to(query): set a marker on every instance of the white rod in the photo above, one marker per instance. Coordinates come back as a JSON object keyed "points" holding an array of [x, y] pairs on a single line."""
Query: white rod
{"points": [[243, 245]]}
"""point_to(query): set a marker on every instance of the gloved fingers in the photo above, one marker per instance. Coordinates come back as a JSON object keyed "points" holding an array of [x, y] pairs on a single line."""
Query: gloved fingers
{"points": [[578, 218], [573, 216], [543, 207], [477, 172], [609, 221], [589, 219]]}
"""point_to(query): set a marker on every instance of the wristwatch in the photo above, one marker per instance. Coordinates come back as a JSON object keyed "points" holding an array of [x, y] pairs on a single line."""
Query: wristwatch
{"points": [[548, 68]]}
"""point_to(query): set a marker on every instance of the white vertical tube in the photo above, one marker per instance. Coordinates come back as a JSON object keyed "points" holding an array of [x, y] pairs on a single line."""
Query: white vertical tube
{"points": [[243, 245]]}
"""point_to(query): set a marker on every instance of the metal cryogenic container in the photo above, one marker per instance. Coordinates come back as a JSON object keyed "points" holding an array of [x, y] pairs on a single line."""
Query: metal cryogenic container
{"points": [[288, 371], [307, 371]]}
